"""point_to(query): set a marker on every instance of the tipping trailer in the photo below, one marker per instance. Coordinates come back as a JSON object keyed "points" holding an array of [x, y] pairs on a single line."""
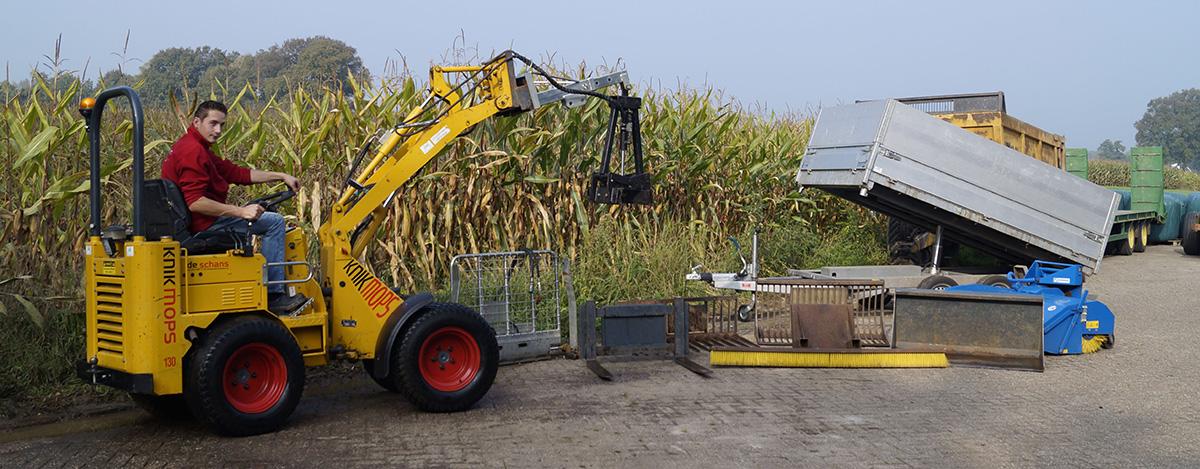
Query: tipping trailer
{"points": [[986, 115], [907, 164]]}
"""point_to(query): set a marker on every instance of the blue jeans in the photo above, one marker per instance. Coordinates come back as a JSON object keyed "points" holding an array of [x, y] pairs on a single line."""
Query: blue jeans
{"points": [[272, 227]]}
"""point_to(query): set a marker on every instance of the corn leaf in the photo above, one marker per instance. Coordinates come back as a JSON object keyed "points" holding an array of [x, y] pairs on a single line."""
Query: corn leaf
{"points": [[34, 313], [37, 146]]}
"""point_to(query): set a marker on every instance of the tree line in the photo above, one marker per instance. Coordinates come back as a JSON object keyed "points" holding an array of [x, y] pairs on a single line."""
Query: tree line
{"points": [[1171, 122], [309, 63], [313, 63]]}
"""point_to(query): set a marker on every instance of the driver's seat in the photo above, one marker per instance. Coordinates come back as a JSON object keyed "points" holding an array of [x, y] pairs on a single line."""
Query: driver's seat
{"points": [[166, 215]]}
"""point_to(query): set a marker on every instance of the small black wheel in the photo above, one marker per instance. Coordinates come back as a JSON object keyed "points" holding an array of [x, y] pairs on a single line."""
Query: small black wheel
{"points": [[936, 282], [245, 377], [1191, 238], [168, 407], [387, 382], [1110, 342], [995, 281], [447, 359], [745, 313], [1141, 236]]}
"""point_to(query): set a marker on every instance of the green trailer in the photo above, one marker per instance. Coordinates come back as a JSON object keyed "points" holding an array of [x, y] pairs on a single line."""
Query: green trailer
{"points": [[1131, 227]]}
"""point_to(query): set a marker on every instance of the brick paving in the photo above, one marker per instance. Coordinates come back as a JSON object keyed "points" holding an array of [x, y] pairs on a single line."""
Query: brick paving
{"points": [[1130, 406]]}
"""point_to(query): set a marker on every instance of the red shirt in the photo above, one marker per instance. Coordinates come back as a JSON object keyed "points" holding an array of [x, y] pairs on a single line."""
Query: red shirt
{"points": [[199, 172]]}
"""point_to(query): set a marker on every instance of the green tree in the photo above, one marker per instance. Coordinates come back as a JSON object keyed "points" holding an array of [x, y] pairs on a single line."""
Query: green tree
{"points": [[114, 78], [8, 91], [1173, 122], [182, 70], [311, 63], [1110, 150]]}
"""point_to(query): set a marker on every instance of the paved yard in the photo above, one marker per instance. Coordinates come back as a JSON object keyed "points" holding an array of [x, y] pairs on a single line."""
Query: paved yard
{"points": [[1133, 405]]}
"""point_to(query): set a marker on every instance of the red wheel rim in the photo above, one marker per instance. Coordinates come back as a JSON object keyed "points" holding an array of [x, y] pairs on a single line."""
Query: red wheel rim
{"points": [[449, 359], [254, 379]]}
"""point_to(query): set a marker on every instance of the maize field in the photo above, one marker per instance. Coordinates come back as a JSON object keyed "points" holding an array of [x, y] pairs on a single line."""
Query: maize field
{"points": [[515, 182], [1111, 173]]}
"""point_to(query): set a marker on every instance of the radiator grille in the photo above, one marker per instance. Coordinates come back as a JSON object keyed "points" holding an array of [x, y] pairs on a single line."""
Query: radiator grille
{"points": [[110, 320]]}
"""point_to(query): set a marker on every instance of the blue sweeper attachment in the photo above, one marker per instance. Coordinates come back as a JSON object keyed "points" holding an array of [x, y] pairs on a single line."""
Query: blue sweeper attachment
{"points": [[1071, 323]]}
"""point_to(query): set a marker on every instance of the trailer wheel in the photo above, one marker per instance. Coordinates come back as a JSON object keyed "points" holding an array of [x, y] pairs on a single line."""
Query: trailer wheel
{"points": [[386, 382], [936, 282], [1125, 247], [168, 407], [245, 378], [1191, 238], [1141, 235], [447, 359], [995, 281], [900, 234]]}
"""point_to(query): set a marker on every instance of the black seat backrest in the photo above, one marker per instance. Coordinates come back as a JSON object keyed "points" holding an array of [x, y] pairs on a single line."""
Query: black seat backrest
{"points": [[164, 210], [166, 214]]}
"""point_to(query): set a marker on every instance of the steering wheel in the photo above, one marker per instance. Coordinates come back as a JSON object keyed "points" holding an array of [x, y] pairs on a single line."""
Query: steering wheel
{"points": [[271, 202]]}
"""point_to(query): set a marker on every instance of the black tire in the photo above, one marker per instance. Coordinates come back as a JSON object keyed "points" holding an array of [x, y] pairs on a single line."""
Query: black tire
{"points": [[745, 313], [1141, 236], [386, 382], [168, 407], [901, 233], [995, 281], [1191, 239], [936, 282], [431, 373], [239, 400], [1125, 246], [901, 236]]}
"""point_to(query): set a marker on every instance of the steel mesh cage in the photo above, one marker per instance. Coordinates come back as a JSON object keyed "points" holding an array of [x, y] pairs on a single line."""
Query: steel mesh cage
{"points": [[517, 292], [772, 318]]}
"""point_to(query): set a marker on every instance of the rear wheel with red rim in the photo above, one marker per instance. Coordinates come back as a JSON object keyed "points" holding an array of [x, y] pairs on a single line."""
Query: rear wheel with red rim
{"points": [[244, 377]]}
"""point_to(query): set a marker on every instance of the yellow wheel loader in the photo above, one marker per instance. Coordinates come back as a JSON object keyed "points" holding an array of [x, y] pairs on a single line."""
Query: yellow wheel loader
{"points": [[180, 319]]}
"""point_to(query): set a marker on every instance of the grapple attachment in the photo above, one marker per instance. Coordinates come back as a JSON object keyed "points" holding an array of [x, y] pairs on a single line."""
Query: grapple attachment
{"points": [[625, 131]]}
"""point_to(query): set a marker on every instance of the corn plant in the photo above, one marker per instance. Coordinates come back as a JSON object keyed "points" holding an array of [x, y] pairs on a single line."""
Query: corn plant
{"points": [[513, 182], [1116, 174]]}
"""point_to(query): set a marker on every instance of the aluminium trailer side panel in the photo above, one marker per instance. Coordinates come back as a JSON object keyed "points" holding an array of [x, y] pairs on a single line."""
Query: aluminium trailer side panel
{"points": [[907, 164]]}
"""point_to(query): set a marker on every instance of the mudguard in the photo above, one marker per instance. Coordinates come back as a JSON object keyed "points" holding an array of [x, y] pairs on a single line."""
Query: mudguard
{"points": [[392, 327]]}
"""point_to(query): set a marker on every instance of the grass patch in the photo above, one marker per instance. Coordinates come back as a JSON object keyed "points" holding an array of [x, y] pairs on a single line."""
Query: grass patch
{"points": [[38, 362], [861, 239]]}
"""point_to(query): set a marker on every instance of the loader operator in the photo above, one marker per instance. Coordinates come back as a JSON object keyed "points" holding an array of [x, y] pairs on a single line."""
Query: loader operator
{"points": [[204, 179]]}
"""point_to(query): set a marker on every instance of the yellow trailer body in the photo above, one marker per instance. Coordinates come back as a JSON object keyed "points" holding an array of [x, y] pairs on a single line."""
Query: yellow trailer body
{"points": [[985, 115]]}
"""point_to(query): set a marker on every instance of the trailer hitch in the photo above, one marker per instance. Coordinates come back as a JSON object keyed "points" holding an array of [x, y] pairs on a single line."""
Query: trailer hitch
{"points": [[625, 131]]}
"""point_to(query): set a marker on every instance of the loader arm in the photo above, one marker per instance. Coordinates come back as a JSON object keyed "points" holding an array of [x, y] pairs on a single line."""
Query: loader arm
{"points": [[489, 89], [459, 98]]}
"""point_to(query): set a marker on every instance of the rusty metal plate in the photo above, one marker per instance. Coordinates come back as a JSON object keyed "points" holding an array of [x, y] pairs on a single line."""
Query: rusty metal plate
{"points": [[975, 329]]}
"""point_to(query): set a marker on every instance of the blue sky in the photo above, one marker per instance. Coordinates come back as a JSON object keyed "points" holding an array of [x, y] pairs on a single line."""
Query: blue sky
{"points": [[1082, 69]]}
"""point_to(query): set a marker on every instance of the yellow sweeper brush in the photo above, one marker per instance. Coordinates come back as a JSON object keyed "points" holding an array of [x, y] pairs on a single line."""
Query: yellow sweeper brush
{"points": [[826, 358]]}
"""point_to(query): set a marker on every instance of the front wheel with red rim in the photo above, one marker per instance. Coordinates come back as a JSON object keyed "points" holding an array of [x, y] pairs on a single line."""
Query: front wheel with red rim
{"points": [[244, 377], [447, 359]]}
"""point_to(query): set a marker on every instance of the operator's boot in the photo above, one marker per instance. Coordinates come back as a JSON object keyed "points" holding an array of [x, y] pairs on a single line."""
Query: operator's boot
{"points": [[281, 304]]}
